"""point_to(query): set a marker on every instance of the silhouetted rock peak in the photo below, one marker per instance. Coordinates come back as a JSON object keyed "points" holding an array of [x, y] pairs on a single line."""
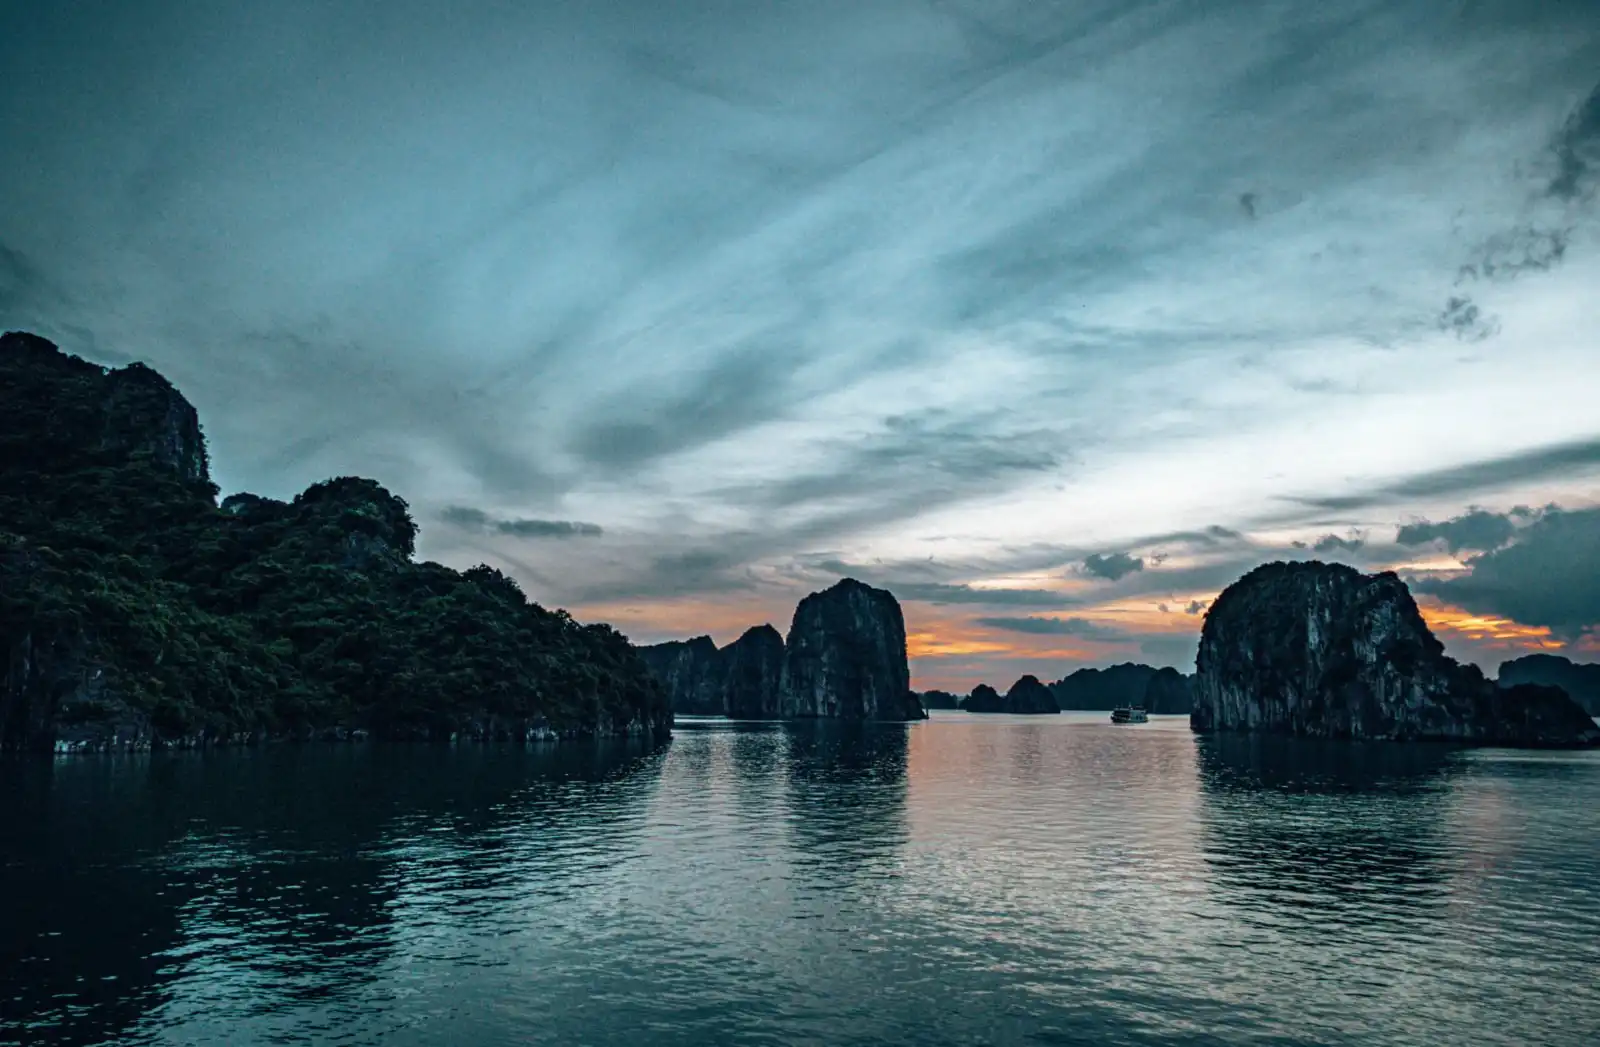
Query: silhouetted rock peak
{"points": [[1580, 681], [753, 674], [846, 657], [1104, 689], [937, 699], [691, 673], [1028, 695], [984, 699], [1322, 650]]}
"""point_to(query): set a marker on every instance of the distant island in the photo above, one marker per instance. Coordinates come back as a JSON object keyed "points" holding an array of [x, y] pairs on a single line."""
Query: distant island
{"points": [[1580, 681], [844, 659], [138, 613], [1155, 690], [1322, 650]]}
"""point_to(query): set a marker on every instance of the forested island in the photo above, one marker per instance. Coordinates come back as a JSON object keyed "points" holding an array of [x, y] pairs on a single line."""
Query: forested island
{"points": [[138, 612]]}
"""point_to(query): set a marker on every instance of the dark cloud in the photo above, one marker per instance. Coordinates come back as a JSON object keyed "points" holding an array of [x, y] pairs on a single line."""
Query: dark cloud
{"points": [[1209, 537], [1050, 626], [645, 423], [934, 457], [1332, 543], [1512, 253], [1196, 607], [1476, 530], [1548, 576], [1462, 318], [1112, 566], [939, 593], [468, 518], [1577, 151], [1247, 202], [1557, 461]]}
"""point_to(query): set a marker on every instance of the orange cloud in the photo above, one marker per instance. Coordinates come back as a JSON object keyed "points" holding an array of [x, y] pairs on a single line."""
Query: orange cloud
{"points": [[1443, 618]]}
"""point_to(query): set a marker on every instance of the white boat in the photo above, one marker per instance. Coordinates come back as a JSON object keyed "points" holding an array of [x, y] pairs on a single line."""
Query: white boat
{"points": [[1129, 714]]}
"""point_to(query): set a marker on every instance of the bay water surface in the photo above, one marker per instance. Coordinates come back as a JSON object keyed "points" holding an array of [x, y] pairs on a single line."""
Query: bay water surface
{"points": [[966, 880]]}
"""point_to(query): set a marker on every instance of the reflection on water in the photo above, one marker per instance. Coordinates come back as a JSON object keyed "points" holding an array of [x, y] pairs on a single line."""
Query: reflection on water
{"points": [[1320, 832], [958, 881]]}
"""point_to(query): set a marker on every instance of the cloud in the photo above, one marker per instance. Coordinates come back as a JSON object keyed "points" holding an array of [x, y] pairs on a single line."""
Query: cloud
{"points": [[1548, 576], [1113, 566], [1556, 461], [1509, 254], [1462, 318], [939, 593], [1476, 529], [1175, 650], [1196, 607], [1577, 151], [1332, 543], [470, 519], [821, 285], [1050, 626]]}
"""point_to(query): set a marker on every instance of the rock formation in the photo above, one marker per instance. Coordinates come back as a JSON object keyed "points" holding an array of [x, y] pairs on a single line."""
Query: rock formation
{"points": [[1322, 650], [1028, 695], [1102, 689], [137, 613], [939, 700], [1580, 681], [984, 699], [1168, 692], [692, 673], [845, 657]]}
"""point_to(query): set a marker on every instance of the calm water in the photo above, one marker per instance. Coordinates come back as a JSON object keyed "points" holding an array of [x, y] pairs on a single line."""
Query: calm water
{"points": [[988, 880]]}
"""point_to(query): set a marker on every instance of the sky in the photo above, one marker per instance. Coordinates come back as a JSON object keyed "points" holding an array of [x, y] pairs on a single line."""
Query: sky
{"points": [[1052, 318]]}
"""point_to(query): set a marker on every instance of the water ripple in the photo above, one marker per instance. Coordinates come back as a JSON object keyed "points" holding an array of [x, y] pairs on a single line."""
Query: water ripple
{"points": [[968, 880]]}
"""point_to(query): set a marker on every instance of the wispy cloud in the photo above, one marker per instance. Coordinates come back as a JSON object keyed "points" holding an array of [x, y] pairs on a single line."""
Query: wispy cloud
{"points": [[1014, 306], [472, 519]]}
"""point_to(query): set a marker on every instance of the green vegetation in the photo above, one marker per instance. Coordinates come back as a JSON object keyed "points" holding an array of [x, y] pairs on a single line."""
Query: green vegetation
{"points": [[133, 605]]}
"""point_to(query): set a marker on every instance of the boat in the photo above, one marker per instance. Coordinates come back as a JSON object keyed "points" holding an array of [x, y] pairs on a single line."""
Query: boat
{"points": [[1129, 714]]}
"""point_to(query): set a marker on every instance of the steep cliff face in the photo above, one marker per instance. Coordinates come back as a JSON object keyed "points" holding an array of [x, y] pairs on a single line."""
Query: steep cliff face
{"points": [[1581, 681], [691, 672], [846, 657], [145, 416], [1168, 692], [1028, 695], [1322, 650], [753, 674]]}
